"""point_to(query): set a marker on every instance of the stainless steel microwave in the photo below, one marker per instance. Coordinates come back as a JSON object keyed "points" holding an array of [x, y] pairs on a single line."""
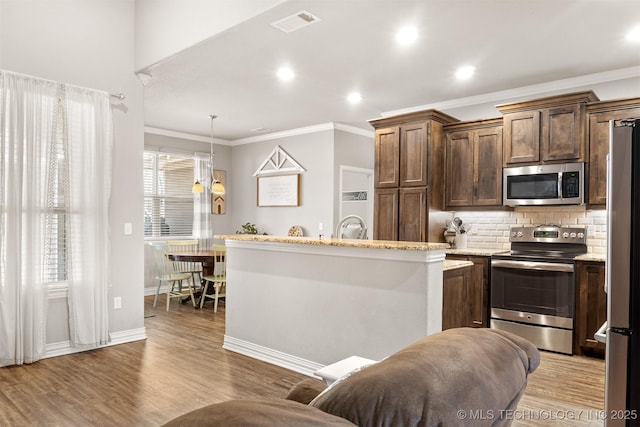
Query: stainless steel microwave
{"points": [[557, 184]]}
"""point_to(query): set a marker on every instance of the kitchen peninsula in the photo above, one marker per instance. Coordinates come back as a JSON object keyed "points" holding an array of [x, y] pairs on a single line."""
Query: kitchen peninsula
{"points": [[304, 303]]}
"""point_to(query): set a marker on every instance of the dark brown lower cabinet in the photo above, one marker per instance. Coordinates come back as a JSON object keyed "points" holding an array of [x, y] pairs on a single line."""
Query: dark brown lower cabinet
{"points": [[457, 294], [591, 307], [465, 298]]}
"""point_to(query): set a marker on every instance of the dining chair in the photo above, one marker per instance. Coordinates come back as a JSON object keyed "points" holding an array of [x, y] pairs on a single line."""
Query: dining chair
{"points": [[193, 268], [216, 282], [165, 272]]}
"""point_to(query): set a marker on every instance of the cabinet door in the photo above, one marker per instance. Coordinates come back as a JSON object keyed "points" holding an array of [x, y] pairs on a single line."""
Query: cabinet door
{"points": [[487, 167], [478, 303], [521, 137], [456, 295], [480, 292], [413, 155], [592, 306], [385, 226], [459, 185], [387, 155], [598, 150], [563, 133], [413, 214]]}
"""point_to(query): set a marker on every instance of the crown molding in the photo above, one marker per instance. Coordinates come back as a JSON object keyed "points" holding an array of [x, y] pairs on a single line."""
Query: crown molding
{"points": [[525, 91], [266, 137], [355, 130], [303, 131], [183, 135], [283, 134]]}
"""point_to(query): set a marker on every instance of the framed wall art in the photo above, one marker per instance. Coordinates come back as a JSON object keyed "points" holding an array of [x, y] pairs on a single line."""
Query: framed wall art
{"points": [[218, 200], [279, 190]]}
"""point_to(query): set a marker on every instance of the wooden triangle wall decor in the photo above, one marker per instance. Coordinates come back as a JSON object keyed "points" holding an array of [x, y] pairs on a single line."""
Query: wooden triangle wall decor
{"points": [[279, 162]]}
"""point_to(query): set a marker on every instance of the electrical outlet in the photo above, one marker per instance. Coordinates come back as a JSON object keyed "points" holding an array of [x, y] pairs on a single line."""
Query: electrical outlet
{"points": [[117, 303]]}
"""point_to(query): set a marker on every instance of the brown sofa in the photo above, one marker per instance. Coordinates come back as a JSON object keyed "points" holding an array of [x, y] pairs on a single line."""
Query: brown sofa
{"points": [[457, 377]]}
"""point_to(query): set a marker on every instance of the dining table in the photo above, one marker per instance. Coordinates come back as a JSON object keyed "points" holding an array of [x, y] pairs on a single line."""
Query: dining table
{"points": [[206, 257]]}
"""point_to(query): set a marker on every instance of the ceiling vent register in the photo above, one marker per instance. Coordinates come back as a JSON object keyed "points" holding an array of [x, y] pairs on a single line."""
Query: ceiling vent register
{"points": [[295, 22]]}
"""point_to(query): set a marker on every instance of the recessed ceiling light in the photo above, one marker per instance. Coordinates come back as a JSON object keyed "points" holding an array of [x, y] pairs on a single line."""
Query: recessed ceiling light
{"points": [[285, 74], [354, 97], [634, 34], [407, 35], [465, 72]]}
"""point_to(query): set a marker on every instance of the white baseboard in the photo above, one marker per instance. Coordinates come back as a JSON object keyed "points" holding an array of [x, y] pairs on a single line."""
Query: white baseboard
{"points": [[129, 335], [152, 290], [272, 356], [63, 348]]}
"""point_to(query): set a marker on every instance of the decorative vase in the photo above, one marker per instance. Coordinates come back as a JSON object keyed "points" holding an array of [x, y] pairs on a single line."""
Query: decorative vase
{"points": [[460, 241]]}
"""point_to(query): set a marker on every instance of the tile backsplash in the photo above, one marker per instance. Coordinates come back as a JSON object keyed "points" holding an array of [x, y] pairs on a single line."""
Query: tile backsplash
{"points": [[490, 229]]}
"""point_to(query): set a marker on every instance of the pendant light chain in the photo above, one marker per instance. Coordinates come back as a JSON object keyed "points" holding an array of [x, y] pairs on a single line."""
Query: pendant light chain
{"points": [[216, 186]]}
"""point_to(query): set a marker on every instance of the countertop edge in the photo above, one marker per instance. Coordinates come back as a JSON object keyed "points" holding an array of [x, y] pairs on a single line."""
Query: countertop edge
{"points": [[592, 257], [373, 244], [450, 265], [475, 251]]}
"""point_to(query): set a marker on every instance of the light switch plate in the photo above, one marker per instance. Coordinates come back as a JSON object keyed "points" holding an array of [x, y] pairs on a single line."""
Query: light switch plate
{"points": [[128, 229]]}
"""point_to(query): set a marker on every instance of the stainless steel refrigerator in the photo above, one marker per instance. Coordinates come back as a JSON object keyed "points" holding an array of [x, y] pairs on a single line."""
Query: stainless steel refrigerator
{"points": [[622, 390]]}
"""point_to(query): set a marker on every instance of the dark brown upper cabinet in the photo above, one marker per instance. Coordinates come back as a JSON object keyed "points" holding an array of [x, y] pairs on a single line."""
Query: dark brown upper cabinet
{"points": [[409, 175], [546, 130], [473, 153], [599, 115], [387, 155]]}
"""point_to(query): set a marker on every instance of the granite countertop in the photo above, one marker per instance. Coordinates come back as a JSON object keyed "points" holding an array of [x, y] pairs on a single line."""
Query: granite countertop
{"points": [[355, 243], [474, 251], [592, 257], [455, 264]]}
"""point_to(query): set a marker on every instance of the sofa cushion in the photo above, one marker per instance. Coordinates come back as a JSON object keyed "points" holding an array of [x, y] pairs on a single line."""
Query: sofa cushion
{"points": [[306, 390], [258, 413], [430, 381]]}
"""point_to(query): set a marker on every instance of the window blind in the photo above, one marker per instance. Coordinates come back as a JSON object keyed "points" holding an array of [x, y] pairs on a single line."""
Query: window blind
{"points": [[56, 259], [168, 201]]}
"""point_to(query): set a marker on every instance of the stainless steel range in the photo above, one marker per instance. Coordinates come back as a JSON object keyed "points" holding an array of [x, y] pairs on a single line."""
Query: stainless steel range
{"points": [[533, 286]]}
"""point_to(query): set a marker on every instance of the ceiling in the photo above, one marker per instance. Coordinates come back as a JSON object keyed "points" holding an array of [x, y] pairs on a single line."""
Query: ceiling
{"points": [[512, 43]]}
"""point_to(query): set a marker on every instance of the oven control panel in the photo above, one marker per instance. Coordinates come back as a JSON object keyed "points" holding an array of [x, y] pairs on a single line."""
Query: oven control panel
{"points": [[548, 234]]}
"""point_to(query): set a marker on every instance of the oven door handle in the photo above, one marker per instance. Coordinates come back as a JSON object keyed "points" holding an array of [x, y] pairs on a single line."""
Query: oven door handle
{"points": [[532, 265]]}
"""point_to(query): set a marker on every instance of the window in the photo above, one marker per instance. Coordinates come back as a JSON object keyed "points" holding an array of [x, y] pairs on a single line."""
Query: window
{"points": [[57, 257], [168, 201]]}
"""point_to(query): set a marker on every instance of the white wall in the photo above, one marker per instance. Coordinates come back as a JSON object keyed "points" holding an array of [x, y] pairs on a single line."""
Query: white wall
{"points": [[91, 44], [314, 152]]}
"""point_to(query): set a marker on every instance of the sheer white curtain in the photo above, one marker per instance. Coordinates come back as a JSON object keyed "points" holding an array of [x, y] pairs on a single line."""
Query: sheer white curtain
{"points": [[90, 144], [52, 132], [202, 218], [26, 131]]}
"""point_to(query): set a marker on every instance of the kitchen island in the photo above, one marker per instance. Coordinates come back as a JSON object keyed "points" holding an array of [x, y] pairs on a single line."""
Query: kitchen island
{"points": [[303, 303]]}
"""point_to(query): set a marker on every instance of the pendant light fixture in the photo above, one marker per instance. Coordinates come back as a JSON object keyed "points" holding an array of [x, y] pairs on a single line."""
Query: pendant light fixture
{"points": [[216, 186], [197, 187]]}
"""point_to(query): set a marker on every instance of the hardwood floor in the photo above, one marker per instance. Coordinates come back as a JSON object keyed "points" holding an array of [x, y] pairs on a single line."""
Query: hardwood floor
{"points": [[181, 366], [569, 387]]}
